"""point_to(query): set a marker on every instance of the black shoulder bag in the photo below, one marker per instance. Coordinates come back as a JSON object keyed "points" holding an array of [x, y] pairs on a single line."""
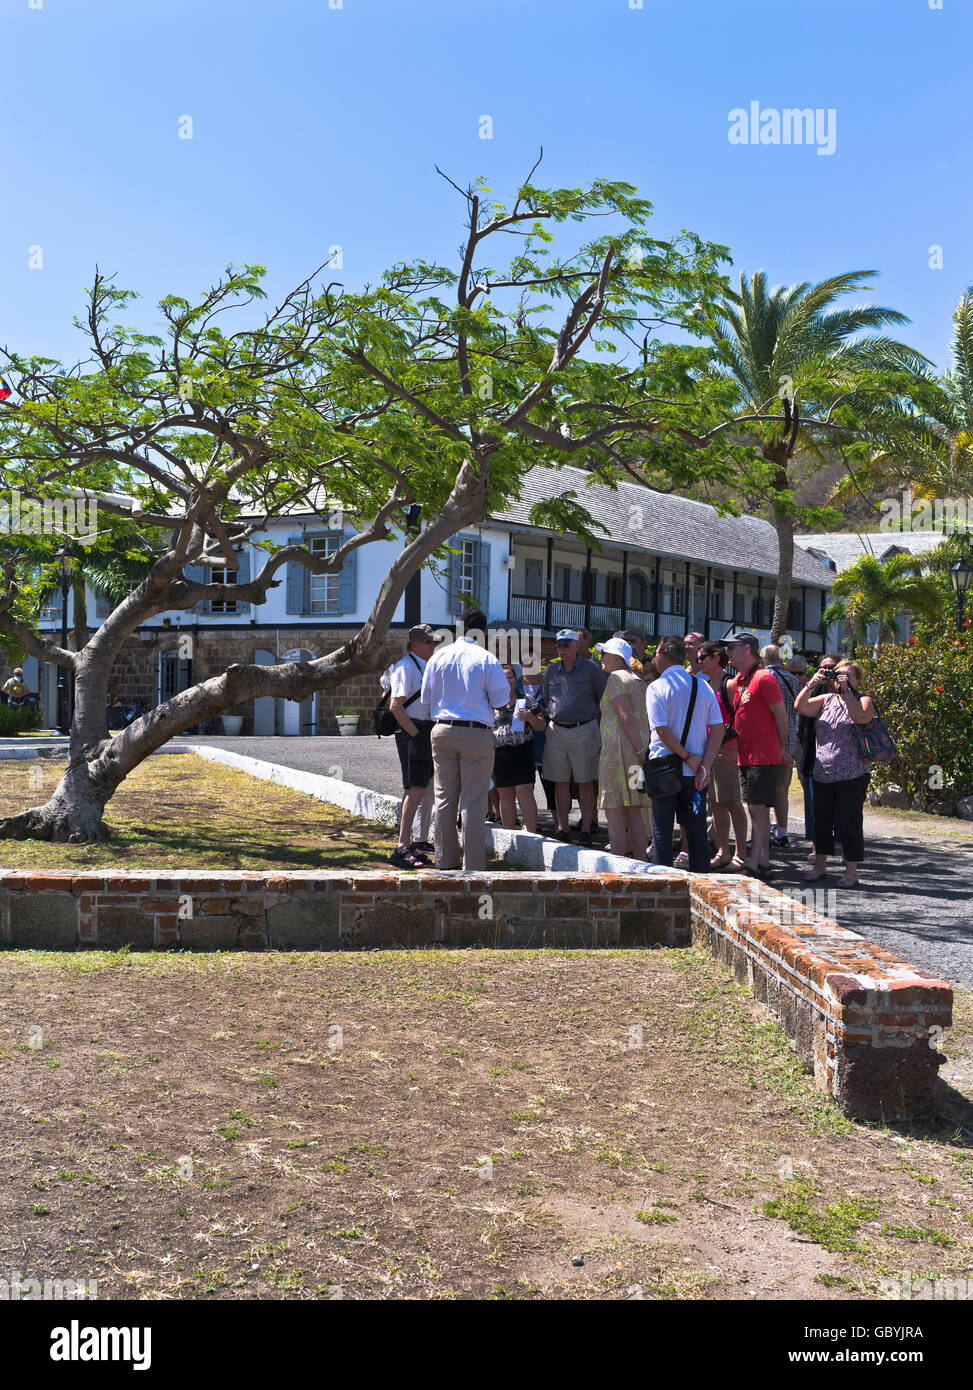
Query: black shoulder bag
{"points": [[664, 776], [384, 722]]}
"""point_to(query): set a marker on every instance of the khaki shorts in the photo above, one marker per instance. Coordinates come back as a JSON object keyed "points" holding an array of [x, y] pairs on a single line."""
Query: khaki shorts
{"points": [[571, 755], [726, 781]]}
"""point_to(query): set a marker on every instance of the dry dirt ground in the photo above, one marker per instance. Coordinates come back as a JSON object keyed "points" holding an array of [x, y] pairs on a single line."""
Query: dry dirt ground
{"points": [[179, 811], [449, 1124]]}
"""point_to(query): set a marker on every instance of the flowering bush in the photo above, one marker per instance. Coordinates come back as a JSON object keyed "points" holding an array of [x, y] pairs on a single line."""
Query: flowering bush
{"points": [[924, 690]]}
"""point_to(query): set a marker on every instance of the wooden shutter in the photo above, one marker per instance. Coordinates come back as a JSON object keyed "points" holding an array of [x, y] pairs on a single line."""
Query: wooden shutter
{"points": [[242, 577], [297, 588], [452, 582], [481, 575]]}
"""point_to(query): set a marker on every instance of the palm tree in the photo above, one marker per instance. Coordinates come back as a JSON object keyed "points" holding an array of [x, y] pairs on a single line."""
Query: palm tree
{"points": [[875, 590], [789, 341], [936, 458]]}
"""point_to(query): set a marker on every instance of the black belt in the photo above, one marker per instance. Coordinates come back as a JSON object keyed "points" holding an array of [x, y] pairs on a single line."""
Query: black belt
{"points": [[464, 723], [576, 725]]}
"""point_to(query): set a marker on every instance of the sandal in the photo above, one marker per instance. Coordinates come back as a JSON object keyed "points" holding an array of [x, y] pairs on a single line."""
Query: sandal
{"points": [[681, 861], [847, 882], [814, 875], [736, 865], [420, 854], [722, 861], [405, 859]]}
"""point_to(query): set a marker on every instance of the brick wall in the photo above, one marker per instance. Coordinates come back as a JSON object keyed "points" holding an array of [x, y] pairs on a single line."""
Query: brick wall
{"points": [[321, 911], [865, 1024]]}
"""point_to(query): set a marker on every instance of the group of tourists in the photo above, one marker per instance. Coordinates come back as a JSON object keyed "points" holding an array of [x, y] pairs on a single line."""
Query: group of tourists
{"points": [[700, 733]]}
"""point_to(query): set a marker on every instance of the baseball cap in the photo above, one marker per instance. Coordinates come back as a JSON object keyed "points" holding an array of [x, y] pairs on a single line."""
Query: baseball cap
{"points": [[421, 633], [568, 634], [748, 637], [616, 647]]}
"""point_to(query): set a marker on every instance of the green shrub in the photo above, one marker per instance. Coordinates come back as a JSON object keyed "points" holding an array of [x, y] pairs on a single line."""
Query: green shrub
{"points": [[924, 690], [19, 720]]}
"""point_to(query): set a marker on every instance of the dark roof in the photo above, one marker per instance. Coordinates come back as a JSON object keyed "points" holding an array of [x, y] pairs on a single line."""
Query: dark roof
{"points": [[671, 526]]}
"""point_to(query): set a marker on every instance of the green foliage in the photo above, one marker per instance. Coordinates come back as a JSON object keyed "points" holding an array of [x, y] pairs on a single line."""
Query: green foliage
{"points": [[18, 720], [924, 690], [875, 590]]}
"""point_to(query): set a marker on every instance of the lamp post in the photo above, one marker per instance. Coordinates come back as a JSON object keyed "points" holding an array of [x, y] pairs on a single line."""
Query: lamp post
{"points": [[64, 700], [960, 575]]}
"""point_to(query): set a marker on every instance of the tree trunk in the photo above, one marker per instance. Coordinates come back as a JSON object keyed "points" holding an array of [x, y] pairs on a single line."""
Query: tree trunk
{"points": [[784, 526]]}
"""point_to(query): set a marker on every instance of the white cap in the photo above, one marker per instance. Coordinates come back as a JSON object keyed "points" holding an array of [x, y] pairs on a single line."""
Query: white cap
{"points": [[615, 646]]}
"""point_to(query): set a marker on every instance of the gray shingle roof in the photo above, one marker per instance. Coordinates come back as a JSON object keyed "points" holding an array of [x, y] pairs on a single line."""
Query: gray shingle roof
{"points": [[670, 525], [845, 547]]}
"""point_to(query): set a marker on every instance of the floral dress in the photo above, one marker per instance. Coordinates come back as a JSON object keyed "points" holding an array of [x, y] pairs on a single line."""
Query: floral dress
{"points": [[618, 757]]}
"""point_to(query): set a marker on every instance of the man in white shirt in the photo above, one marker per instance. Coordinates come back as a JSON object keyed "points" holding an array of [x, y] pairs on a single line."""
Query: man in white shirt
{"points": [[667, 703], [412, 739], [463, 684]]}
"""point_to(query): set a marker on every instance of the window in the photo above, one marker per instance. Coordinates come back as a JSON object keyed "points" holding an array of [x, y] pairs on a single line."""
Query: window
{"points": [[223, 576], [323, 588]]}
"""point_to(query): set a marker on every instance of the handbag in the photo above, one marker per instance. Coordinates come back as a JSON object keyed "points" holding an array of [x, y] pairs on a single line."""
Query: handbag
{"points": [[384, 722], [664, 776], [875, 743]]}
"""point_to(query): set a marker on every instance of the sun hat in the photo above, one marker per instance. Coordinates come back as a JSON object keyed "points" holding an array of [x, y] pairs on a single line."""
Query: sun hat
{"points": [[616, 647]]}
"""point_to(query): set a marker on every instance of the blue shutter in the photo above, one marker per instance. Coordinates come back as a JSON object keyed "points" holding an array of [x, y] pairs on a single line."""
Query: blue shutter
{"points": [[196, 574], [54, 606], [455, 604], [103, 607], [243, 577], [296, 582], [481, 575], [346, 581]]}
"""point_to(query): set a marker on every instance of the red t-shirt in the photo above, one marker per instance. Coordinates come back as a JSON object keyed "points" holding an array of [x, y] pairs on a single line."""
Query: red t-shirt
{"points": [[758, 742]]}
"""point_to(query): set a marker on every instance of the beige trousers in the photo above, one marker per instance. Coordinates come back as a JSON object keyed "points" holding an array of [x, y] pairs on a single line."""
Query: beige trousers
{"points": [[463, 762]]}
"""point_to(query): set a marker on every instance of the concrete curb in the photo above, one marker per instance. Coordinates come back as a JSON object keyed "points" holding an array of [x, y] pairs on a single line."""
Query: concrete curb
{"points": [[513, 846]]}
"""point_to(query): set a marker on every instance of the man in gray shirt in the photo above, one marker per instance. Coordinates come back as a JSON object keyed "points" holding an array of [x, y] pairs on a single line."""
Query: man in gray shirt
{"points": [[572, 688]]}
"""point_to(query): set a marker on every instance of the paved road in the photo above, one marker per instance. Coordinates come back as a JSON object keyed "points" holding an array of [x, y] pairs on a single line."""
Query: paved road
{"points": [[918, 901]]}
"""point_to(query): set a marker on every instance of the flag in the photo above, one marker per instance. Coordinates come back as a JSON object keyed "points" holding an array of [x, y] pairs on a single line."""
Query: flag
{"points": [[4, 389]]}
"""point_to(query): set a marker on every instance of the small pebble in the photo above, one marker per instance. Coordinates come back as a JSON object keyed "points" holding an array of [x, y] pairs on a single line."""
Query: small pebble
{"points": [[577, 1260]]}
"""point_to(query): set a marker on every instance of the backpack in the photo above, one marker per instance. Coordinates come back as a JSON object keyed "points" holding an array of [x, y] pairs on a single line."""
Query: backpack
{"points": [[384, 722]]}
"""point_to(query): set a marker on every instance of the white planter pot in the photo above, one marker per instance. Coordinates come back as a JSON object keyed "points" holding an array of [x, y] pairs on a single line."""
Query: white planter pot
{"points": [[232, 724], [347, 725]]}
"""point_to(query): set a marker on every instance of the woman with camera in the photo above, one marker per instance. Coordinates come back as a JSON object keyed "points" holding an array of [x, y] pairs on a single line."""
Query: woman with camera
{"points": [[841, 774]]}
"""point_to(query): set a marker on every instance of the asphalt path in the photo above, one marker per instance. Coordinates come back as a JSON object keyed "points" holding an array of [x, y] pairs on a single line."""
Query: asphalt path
{"points": [[917, 893]]}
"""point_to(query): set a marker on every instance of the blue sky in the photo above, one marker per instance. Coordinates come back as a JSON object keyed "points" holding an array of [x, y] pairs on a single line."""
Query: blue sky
{"points": [[316, 126]]}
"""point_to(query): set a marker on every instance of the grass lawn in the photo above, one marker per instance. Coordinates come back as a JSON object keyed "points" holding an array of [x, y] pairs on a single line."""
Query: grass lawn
{"points": [[443, 1124], [180, 811]]}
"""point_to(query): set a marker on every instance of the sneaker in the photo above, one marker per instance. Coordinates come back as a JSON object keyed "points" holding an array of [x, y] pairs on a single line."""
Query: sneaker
{"points": [[423, 846], [779, 838]]}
